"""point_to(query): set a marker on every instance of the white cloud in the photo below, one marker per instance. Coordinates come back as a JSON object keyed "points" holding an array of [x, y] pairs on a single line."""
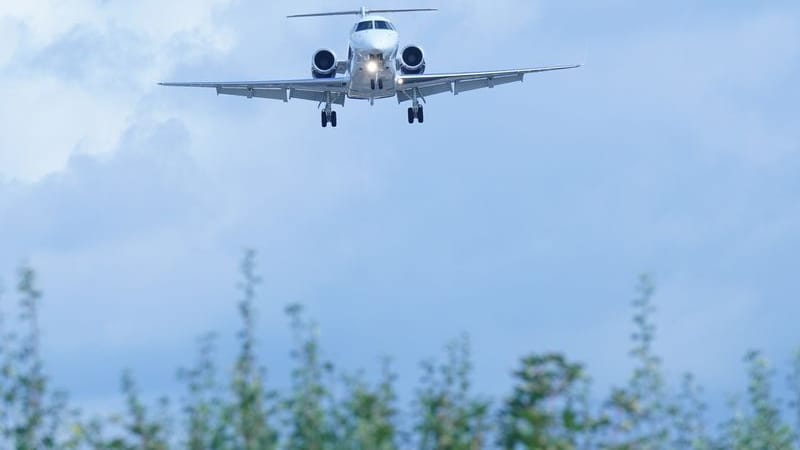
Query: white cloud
{"points": [[74, 71]]}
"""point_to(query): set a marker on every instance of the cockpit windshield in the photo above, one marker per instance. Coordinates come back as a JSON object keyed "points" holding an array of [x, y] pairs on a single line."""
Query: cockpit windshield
{"points": [[377, 25], [366, 25]]}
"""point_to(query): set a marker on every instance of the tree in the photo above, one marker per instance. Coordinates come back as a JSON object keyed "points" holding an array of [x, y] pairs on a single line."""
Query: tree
{"points": [[690, 425], [310, 400], [640, 413], [207, 415], [794, 389], [250, 412], [449, 416], [367, 414], [32, 416], [763, 427], [548, 408], [147, 433]]}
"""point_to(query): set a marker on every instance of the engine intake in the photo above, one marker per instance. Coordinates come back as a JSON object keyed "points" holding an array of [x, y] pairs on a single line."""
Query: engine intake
{"points": [[323, 64], [412, 60]]}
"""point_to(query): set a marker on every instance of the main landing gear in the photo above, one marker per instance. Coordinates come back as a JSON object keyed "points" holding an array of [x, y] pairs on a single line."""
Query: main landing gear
{"points": [[419, 114], [328, 117], [416, 111]]}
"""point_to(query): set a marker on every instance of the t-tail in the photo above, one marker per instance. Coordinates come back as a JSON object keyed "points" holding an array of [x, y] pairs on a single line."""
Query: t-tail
{"points": [[362, 12]]}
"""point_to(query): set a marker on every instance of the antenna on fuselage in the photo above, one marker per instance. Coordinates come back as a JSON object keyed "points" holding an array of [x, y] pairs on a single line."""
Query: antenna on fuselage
{"points": [[363, 12]]}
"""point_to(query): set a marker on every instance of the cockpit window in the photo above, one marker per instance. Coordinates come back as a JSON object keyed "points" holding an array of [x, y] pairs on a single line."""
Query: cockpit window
{"points": [[383, 25], [367, 25]]}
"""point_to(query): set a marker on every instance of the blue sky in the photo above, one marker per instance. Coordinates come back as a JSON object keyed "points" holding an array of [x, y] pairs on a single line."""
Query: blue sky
{"points": [[521, 215]]}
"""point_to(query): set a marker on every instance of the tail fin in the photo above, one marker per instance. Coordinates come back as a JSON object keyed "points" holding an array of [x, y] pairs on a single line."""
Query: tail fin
{"points": [[361, 12]]}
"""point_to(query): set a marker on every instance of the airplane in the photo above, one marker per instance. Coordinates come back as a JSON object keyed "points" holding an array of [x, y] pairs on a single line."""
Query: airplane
{"points": [[376, 68]]}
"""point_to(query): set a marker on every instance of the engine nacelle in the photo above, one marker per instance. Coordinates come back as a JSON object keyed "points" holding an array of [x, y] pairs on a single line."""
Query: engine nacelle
{"points": [[412, 61], [323, 64]]}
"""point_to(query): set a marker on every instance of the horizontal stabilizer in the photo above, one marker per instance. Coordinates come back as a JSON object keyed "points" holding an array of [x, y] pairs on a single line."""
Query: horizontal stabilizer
{"points": [[362, 12]]}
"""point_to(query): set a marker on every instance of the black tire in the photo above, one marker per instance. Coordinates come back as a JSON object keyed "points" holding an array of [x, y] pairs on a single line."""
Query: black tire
{"points": [[420, 115], [380, 83], [372, 84], [324, 119], [410, 115], [333, 119]]}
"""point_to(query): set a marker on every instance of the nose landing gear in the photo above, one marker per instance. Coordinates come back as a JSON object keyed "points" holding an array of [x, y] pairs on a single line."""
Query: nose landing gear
{"points": [[379, 83]]}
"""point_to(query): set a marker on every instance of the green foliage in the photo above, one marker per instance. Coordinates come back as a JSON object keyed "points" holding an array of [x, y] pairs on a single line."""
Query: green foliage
{"points": [[763, 426], [641, 413], [550, 407], [690, 423], [147, 433], [250, 413], [794, 389], [207, 417], [31, 417], [310, 399], [448, 416], [366, 418]]}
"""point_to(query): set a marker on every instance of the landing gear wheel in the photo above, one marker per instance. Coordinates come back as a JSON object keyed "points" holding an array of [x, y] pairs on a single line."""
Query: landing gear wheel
{"points": [[420, 115], [410, 115], [324, 119], [372, 84], [380, 83], [333, 119]]}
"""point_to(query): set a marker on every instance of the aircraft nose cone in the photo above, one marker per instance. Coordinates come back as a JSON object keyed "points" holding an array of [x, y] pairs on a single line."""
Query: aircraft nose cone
{"points": [[386, 42], [383, 41]]}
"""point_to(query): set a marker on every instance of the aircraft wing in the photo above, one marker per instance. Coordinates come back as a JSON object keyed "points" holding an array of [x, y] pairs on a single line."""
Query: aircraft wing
{"points": [[316, 90], [432, 84]]}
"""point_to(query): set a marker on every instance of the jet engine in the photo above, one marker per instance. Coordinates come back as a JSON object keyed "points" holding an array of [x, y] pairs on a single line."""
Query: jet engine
{"points": [[412, 61], [323, 64]]}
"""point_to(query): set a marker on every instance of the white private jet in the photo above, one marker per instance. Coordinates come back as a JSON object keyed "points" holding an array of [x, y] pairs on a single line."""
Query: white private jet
{"points": [[375, 68]]}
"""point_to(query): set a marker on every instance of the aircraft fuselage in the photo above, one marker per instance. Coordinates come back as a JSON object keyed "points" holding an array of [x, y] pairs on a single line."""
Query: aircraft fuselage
{"points": [[372, 68]]}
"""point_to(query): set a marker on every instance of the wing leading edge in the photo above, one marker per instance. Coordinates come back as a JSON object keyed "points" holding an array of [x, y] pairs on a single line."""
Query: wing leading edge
{"points": [[318, 90], [432, 84]]}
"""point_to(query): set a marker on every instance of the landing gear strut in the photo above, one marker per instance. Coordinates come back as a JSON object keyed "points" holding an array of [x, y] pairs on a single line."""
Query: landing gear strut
{"points": [[328, 115], [416, 111]]}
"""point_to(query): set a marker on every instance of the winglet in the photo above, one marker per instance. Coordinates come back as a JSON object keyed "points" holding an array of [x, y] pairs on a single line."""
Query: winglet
{"points": [[585, 56]]}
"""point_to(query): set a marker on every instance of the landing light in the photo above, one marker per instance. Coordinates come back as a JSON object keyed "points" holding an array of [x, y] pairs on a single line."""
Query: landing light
{"points": [[372, 66]]}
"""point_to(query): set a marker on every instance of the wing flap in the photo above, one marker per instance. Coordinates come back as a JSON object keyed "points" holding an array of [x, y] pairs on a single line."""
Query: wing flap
{"points": [[431, 84], [310, 89], [406, 95], [471, 85], [274, 94], [336, 98]]}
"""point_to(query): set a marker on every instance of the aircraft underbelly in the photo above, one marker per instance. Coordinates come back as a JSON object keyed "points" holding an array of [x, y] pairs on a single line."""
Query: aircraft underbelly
{"points": [[361, 83]]}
